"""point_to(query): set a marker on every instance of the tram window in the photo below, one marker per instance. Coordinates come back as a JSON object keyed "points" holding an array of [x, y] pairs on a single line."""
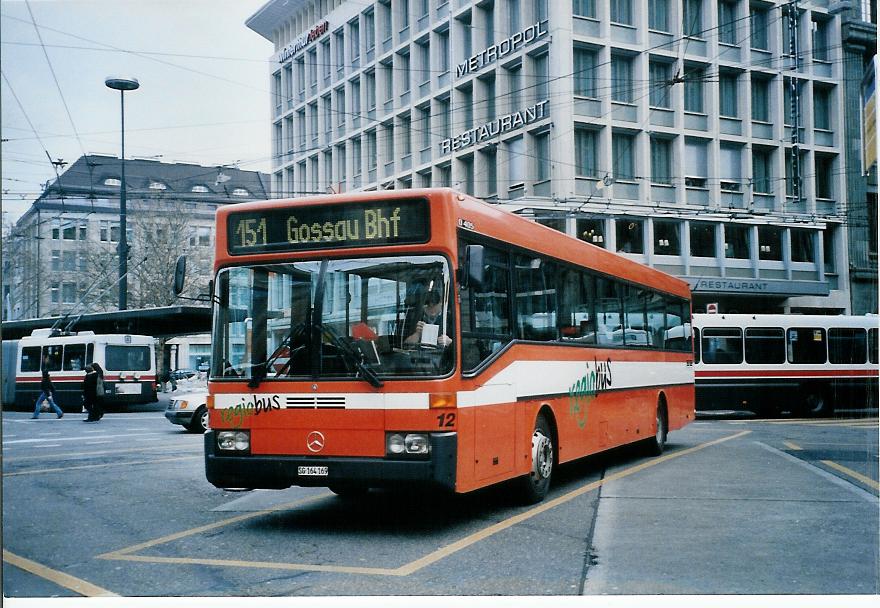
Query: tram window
{"points": [[765, 345], [697, 349], [577, 323], [872, 345], [52, 358], [847, 345], [608, 314], [807, 345], [127, 358], [722, 345], [74, 357], [30, 359], [535, 294]]}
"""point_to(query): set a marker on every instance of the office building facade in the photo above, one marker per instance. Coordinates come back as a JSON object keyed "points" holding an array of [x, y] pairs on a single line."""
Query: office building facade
{"points": [[705, 138]]}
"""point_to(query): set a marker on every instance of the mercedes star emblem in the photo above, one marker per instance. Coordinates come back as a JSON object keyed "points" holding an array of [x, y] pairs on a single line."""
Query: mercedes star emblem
{"points": [[315, 441]]}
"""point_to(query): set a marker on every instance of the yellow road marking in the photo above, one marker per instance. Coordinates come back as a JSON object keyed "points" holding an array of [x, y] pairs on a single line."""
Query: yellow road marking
{"points": [[97, 466], [792, 446], [406, 569], [77, 585], [855, 475]]}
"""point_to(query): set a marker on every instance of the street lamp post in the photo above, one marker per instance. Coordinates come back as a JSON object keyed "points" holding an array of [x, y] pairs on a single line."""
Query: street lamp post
{"points": [[122, 85]]}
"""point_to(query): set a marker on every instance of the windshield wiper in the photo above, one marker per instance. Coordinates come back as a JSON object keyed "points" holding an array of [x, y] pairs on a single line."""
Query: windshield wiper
{"points": [[353, 357]]}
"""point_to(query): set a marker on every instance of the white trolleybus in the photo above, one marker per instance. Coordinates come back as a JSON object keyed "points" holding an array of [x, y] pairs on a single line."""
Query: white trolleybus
{"points": [[803, 364], [128, 361]]}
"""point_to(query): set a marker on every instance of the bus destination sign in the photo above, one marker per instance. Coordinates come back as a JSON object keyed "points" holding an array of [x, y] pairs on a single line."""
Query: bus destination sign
{"points": [[399, 222]]}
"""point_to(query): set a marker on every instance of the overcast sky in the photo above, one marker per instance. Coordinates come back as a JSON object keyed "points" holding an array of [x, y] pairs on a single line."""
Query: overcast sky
{"points": [[204, 95]]}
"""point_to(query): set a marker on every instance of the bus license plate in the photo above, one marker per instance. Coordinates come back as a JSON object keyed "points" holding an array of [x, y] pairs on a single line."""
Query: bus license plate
{"points": [[313, 471], [128, 389]]}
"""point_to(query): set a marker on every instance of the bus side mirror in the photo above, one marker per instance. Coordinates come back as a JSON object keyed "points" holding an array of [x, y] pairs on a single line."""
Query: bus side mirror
{"points": [[179, 274], [473, 271]]}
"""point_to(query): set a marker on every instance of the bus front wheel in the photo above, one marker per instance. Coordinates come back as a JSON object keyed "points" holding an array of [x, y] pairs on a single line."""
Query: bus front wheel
{"points": [[816, 402], [536, 484]]}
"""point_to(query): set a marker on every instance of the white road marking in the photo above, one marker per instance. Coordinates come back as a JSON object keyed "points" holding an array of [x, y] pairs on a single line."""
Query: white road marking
{"points": [[97, 442], [18, 441]]}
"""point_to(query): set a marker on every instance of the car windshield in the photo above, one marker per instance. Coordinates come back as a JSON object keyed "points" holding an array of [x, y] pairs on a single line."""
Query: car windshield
{"points": [[368, 318]]}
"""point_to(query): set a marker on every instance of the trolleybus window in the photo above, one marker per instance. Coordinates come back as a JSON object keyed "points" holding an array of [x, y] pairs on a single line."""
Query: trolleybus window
{"points": [[74, 357], [535, 286], [656, 316], [486, 311], [722, 345], [127, 358], [697, 345], [577, 321], [847, 345], [608, 312], [52, 358], [807, 345], [30, 358], [765, 345], [634, 304], [872, 345]]}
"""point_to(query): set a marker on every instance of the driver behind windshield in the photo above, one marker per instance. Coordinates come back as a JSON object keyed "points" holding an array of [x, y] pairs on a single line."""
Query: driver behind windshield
{"points": [[428, 322]]}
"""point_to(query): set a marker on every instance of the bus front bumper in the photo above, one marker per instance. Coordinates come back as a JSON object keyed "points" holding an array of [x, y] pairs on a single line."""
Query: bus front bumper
{"points": [[267, 471]]}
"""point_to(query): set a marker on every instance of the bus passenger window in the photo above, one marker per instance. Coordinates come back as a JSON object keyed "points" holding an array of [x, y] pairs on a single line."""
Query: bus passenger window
{"points": [[847, 345], [535, 292], [656, 314], [872, 345], [807, 345], [697, 343], [765, 345], [485, 313], [52, 358], [608, 314], [576, 320], [74, 357], [30, 359], [635, 333], [722, 345]]}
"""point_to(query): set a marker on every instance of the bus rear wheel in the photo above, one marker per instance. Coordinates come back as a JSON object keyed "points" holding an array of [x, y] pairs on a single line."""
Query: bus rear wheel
{"points": [[816, 402], [536, 484], [656, 444]]}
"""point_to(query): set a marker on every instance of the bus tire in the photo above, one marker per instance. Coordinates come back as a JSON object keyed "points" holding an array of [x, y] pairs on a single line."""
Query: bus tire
{"points": [[816, 402], [536, 484], [656, 444]]}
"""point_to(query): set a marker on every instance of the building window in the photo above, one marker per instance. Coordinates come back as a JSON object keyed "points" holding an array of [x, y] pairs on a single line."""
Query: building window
{"points": [[621, 78], [56, 259], [787, 100], [666, 237], [702, 239], [515, 161], [693, 89], [542, 156], [828, 246], [623, 155], [760, 98], [591, 231], [659, 74], [727, 22], [354, 42], [112, 181], [736, 241], [820, 31], [658, 15], [770, 243], [696, 164], [661, 161], [822, 107], [727, 95], [584, 72], [513, 16], [68, 293], [583, 8], [692, 18], [369, 30], [621, 11], [872, 223], [630, 237], [824, 166], [731, 167], [542, 77], [758, 28], [108, 231], [762, 171], [802, 248], [240, 192], [514, 86], [790, 177], [54, 295], [443, 54], [68, 261], [585, 146]]}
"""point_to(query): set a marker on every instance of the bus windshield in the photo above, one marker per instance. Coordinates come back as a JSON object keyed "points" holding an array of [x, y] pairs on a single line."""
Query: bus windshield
{"points": [[388, 317]]}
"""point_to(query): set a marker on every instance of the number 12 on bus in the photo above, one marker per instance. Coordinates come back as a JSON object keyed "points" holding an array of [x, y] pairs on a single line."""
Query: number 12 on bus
{"points": [[423, 337]]}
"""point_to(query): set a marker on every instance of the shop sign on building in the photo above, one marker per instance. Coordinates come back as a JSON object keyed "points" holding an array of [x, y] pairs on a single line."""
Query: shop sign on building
{"points": [[496, 127], [304, 40], [501, 50]]}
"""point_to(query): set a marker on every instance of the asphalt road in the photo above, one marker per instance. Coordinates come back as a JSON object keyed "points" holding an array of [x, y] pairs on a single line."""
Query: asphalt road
{"points": [[734, 507]]}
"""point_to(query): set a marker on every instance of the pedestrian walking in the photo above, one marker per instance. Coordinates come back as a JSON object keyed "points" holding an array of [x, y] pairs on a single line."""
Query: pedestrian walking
{"points": [[99, 390], [90, 394], [47, 392]]}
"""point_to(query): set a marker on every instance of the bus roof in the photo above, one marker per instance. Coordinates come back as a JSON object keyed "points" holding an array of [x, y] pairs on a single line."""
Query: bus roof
{"points": [[451, 210]]}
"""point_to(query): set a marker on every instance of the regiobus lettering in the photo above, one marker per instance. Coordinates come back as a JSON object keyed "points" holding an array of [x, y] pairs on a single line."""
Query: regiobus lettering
{"points": [[587, 387]]}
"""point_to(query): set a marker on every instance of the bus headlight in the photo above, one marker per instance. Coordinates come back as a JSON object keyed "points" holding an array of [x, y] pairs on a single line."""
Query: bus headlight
{"points": [[399, 444], [234, 440]]}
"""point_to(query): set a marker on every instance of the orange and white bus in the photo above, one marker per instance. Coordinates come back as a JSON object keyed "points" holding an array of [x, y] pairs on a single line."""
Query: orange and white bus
{"points": [[425, 337]]}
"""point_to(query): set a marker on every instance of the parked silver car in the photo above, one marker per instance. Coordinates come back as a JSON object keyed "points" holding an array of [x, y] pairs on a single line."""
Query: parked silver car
{"points": [[189, 410]]}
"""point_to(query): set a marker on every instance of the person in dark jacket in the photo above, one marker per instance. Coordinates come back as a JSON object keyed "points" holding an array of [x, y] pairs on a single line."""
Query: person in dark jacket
{"points": [[90, 397], [99, 393], [48, 391]]}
